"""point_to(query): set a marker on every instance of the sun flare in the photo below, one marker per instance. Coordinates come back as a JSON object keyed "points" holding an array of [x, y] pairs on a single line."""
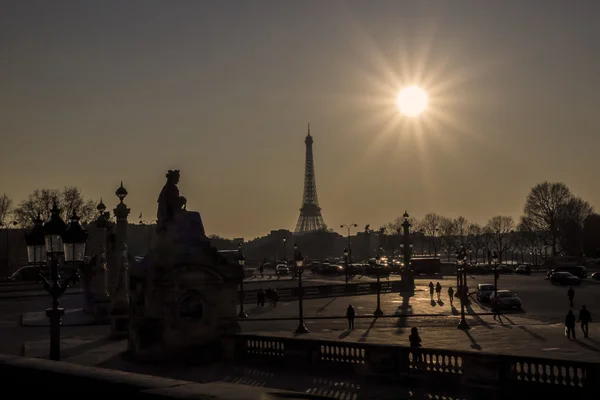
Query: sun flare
{"points": [[412, 101]]}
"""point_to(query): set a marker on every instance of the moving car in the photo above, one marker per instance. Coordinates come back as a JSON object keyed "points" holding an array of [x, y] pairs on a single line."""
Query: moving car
{"points": [[596, 276], [282, 269], [507, 299], [564, 278], [523, 270], [28, 273], [484, 290], [578, 271]]}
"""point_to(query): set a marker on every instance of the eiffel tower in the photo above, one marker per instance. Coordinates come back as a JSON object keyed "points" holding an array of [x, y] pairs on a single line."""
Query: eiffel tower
{"points": [[310, 219]]}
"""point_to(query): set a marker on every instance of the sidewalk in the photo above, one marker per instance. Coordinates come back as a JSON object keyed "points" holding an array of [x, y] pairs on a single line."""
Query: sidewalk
{"points": [[35, 293]]}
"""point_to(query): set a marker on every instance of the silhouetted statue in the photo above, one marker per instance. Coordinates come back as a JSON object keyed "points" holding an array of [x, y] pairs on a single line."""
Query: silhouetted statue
{"points": [[170, 202], [367, 228]]}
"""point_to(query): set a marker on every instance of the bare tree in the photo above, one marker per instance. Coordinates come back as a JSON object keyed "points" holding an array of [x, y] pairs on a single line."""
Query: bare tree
{"points": [[542, 211], [449, 235], [570, 225], [430, 226], [499, 229], [40, 203], [461, 228], [5, 208], [476, 238]]}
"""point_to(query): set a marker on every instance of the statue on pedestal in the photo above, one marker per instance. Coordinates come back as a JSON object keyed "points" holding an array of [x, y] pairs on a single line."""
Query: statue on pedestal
{"points": [[184, 294], [170, 203]]}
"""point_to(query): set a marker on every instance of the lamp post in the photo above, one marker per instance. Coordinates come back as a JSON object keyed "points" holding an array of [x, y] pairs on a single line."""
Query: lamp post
{"points": [[242, 261], [495, 261], [378, 311], [295, 269], [346, 253], [348, 227], [300, 268], [6, 253], [460, 270], [285, 250], [67, 241]]}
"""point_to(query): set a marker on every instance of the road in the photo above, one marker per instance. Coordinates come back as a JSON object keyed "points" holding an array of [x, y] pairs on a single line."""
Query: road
{"points": [[542, 300], [543, 305]]}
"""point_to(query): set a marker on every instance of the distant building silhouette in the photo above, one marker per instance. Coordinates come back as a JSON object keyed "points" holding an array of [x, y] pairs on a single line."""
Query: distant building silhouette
{"points": [[310, 219]]}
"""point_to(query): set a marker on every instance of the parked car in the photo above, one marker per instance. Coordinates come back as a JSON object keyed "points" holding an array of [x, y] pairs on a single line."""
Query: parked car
{"points": [[523, 270], [507, 299], [282, 269], [484, 290], [28, 273], [505, 269], [596, 276], [564, 278], [578, 271]]}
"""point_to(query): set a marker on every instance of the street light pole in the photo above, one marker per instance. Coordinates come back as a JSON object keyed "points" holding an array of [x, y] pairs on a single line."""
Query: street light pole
{"points": [[460, 263], [348, 227], [241, 261], [346, 253], [378, 311], [284, 250], [300, 267], [61, 240], [495, 261]]}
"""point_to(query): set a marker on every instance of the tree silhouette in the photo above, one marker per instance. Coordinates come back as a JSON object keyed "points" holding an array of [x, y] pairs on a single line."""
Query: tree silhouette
{"points": [[5, 208], [40, 201], [499, 230]]}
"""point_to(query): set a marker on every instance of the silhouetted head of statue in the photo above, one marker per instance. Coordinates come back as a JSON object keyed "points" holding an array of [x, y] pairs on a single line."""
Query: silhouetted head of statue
{"points": [[173, 176]]}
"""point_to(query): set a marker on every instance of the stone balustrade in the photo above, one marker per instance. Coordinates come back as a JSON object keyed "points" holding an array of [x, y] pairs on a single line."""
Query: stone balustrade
{"points": [[473, 372]]}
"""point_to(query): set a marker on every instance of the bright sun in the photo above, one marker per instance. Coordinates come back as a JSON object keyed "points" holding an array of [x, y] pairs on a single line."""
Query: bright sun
{"points": [[412, 101]]}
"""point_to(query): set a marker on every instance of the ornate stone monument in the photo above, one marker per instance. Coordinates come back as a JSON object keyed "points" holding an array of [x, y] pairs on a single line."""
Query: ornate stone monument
{"points": [[118, 273], [183, 295]]}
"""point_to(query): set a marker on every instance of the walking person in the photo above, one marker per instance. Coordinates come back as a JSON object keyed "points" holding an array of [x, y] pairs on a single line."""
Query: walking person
{"points": [[496, 309], [570, 324], [350, 314], [431, 289], [438, 291], [275, 297], [451, 295], [585, 317], [415, 341], [571, 294], [260, 297], [261, 269]]}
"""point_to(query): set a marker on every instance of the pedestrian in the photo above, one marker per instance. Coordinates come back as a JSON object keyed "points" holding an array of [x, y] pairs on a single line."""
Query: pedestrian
{"points": [[275, 297], [261, 269], [431, 289], [438, 291], [571, 294], [414, 339], [570, 324], [496, 309], [350, 314], [585, 317], [260, 297], [451, 295]]}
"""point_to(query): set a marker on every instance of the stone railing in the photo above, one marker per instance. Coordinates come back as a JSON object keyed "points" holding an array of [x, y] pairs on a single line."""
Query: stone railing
{"points": [[351, 289], [33, 375], [447, 369]]}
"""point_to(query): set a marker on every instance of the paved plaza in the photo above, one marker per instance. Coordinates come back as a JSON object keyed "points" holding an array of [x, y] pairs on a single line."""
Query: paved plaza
{"points": [[536, 331]]}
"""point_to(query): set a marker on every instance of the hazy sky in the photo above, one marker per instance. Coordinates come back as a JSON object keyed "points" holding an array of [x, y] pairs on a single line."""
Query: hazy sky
{"points": [[95, 92]]}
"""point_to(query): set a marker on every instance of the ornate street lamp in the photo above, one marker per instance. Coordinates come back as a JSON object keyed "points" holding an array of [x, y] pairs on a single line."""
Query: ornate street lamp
{"points": [[460, 269], [36, 244], [348, 227], [495, 261], [242, 261], [346, 253], [300, 268], [61, 240], [378, 311]]}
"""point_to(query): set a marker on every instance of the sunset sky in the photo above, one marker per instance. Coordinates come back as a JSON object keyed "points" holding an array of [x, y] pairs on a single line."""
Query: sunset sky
{"points": [[95, 92]]}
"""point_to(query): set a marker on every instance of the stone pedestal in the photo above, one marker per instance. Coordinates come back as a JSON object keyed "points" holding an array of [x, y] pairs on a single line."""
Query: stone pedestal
{"points": [[183, 296]]}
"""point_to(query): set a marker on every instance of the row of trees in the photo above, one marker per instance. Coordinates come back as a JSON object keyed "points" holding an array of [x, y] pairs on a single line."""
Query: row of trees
{"points": [[554, 219], [40, 202]]}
